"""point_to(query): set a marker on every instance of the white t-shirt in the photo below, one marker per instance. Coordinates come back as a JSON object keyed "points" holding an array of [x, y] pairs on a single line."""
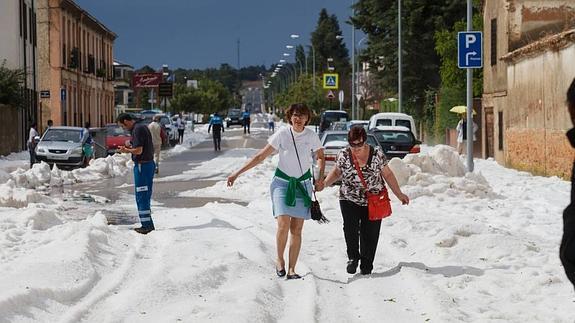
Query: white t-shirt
{"points": [[306, 141], [32, 134]]}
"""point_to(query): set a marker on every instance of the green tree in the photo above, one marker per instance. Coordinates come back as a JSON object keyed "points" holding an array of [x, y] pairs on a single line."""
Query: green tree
{"points": [[327, 44], [420, 20], [300, 58], [11, 81]]}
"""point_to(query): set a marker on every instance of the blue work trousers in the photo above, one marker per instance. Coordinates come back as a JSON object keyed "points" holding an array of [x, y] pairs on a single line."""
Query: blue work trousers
{"points": [[143, 181]]}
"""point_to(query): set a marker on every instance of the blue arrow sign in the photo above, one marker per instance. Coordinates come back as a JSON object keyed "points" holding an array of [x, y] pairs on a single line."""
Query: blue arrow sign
{"points": [[470, 49]]}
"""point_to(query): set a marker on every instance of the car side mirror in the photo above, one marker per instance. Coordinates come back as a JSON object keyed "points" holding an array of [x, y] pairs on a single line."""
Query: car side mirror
{"points": [[36, 139], [418, 142]]}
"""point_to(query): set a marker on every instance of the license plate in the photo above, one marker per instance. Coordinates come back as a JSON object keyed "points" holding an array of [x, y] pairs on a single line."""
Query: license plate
{"points": [[58, 157]]}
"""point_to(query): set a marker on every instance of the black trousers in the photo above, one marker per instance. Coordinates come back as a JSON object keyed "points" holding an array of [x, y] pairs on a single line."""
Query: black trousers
{"points": [[217, 140], [247, 125], [361, 234]]}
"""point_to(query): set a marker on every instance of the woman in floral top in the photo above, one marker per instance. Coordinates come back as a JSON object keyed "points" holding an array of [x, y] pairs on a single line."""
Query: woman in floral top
{"points": [[361, 234]]}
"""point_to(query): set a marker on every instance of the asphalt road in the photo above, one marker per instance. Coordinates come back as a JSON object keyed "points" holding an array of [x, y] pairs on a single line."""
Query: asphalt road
{"points": [[120, 189]]}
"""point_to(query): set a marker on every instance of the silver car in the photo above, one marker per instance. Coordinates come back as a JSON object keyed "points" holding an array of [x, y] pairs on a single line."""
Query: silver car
{"points": [[62, 146]]}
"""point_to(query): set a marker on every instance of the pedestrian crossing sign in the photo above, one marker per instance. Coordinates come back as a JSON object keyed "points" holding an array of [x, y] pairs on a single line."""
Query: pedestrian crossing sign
{"points": [[330, 81]]}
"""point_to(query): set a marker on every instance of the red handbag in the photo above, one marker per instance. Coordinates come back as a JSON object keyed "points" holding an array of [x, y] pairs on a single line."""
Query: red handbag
{"points": [[378, 205]]}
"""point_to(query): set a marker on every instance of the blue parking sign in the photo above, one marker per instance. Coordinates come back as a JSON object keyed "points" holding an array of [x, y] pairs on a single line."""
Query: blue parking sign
{"points": [[470, 49]]}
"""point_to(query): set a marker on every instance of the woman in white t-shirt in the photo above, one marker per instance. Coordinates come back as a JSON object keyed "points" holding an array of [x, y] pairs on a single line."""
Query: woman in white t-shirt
{"points": [[291, 186]]}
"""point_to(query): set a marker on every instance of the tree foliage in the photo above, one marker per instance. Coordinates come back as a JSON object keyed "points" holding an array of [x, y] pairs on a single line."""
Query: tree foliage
{"points": [[11, 82], [209, 97], [328, 45], [420, 20]]}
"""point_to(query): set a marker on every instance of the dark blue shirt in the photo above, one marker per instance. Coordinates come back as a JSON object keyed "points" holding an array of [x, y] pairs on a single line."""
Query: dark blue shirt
{"points": [[141, 137], [245, 115]]}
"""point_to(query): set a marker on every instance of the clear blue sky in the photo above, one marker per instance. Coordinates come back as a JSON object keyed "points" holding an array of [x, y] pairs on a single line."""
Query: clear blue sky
{"points": [[203, 33]]}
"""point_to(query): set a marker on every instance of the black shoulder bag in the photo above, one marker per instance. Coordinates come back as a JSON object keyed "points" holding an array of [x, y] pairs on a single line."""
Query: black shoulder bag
{"points": [[315, 210]]}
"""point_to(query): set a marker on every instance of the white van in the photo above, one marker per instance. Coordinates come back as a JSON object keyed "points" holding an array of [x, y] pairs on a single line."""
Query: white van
{"points": [[393, 119]]}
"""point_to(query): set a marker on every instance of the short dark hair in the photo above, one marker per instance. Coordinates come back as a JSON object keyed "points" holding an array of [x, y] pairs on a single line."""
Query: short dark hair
{"points": [[124, 117], [50, 122], [356, 133], [571, 94], [87, 124], [299, 108]]}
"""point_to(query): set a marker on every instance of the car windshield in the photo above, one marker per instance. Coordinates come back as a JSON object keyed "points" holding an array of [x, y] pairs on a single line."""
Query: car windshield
{"points": [[234, 113], [383, 122], [66, 135], [116, 131], [335, 116], [165, 120], [343, 138], [394, 136], [335, 137], [372, 141]]}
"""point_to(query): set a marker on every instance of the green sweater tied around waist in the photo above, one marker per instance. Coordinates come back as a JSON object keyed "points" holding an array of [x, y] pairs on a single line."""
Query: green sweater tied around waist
{"points": [[294, 185]]}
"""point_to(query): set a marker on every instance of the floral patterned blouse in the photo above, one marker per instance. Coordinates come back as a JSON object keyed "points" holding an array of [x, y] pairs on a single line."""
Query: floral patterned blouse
{"points": [[351, 188]]}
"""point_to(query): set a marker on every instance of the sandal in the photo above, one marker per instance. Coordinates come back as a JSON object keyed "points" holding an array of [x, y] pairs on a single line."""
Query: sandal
{"points": [[293, 276], [280, 272]]}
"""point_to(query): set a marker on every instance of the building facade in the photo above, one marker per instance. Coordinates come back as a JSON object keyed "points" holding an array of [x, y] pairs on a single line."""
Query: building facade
{"points": [[124, 94], [529, 54], [75, 64], [19, 51]]}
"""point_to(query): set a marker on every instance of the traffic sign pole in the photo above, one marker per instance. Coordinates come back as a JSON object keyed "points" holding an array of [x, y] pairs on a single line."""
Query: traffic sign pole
{"points": [[469, 95]]}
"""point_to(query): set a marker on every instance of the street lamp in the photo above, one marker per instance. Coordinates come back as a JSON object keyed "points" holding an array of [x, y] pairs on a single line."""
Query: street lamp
{"points": [[296, 36]]}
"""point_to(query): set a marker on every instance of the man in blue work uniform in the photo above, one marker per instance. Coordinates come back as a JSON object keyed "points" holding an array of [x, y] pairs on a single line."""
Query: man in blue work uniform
{"points": [[217, 124], [142, 149], [246, 120]]}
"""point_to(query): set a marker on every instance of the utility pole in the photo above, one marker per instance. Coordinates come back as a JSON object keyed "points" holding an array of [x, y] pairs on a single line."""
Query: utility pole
{"points": [[399, 71], [353, 64]]}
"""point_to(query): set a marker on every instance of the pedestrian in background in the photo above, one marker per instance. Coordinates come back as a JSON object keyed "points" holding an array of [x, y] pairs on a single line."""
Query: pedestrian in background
{"points": [[217, 126], [49, 125], [361, 234], [271, 123], [32, 134], [181, 128], [462, 134], [142, 149], [246, 121], [291, 187], [88, 146], [567, 249], [156, 131]]}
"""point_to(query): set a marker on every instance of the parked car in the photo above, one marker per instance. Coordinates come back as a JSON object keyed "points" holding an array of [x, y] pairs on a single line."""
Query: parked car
{"points": [[396, 141], [393, 119], [115, 136], [62, 146], [234, 117], [333, 142], [329, 116], [338, 126], [171, 129]]}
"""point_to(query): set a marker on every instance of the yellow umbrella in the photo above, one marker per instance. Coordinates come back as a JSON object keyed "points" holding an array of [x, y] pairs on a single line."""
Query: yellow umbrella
{"points": [[461, 109]]}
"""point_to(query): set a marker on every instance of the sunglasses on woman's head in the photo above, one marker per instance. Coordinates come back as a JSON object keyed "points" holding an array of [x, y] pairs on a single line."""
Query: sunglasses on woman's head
{"points": [[356, 144]]}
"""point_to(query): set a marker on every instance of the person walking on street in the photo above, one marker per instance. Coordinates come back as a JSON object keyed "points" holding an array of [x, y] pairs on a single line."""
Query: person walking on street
{"points": [[271, 123], [142, 149], [156, 131], [181, 128], [32, 134], [246, 120], [217, 126], [291, 186], [567, 249], [462, 134], [88, 146], [361, 234]]}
